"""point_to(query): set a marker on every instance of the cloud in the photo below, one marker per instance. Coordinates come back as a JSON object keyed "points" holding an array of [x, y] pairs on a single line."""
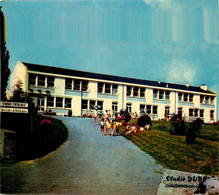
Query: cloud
{"points": [[181, 71]]}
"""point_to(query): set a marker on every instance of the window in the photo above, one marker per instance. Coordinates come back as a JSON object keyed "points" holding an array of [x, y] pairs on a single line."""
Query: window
{"points": [[212, 114], [84, 85], [148, 109], [142, 92], [202, 97], [115, 89], [135, 92], [212, 100], [50, 101], [59, 102], [167, 95], [196, 112], [84, 104], [167, 110], [107, 88], [50, 81], [155, 93], [154, 109], [100, 87], [191, 112], [99, 105], [41, 80], [191, 97], [92, 104], [68, 83], [129, 107], [180, 112], [32, 79], [202, 113], [129, 91], [161, 95], [115, 106], [67, 103], [185, 99], [142, 108], [207, 99], [77, 84], [180, 95]]}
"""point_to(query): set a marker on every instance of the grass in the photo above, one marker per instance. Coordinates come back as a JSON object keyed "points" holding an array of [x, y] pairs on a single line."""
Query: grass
{"points": [[172, 152]]}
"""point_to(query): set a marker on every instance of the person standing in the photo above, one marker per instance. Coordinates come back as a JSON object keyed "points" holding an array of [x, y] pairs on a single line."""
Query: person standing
{"points": [[95, 117]]}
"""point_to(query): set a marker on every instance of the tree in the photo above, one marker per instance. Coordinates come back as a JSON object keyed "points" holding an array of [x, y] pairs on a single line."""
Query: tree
{"points": [[21, 96], [5, 71]]}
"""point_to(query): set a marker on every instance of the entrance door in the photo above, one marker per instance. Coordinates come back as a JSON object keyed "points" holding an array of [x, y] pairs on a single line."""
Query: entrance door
{"points": [[40, 104]]}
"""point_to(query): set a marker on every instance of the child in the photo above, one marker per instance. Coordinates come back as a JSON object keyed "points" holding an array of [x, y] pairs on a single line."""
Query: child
{"points": [[102, 126], [114, 129], [108, 126]]}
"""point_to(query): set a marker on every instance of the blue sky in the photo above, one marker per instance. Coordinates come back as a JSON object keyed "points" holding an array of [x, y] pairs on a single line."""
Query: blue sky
{"points": [[171, 40]]}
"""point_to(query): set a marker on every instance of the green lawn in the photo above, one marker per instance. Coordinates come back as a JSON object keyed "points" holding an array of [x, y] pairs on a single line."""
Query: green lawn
{"points": [[172, 152]]}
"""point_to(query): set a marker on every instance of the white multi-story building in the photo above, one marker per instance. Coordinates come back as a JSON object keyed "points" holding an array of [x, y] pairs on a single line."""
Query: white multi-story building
{"points": [[62, 89]]}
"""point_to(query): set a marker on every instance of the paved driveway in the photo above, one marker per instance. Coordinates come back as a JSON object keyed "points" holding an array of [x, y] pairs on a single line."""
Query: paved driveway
{"points": [[87, 163]]}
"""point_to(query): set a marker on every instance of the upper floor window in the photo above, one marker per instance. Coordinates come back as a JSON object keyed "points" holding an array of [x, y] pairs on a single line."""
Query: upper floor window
{"points": [[107, 88], [50, 81], [41, 80], [77, 84], [115, 89], [167, 95], [155, 93], [84, 85], [68, 83], [129, 90], [180, 96], [135, 92], [185, 99], [212, 100], [190, 97], [32, 79], [100, 87], [142, 92], [161, 94]]}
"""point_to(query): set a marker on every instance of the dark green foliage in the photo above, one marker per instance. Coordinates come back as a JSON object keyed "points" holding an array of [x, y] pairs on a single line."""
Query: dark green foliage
{"points": [[179, 127], [43, 140], [193, 131], [5, 71]]}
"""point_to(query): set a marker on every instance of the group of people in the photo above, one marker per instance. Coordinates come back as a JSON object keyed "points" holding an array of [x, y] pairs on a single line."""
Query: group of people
{"points": [[105, 124]]}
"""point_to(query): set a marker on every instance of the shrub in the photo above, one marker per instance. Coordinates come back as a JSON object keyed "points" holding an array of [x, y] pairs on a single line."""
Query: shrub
{"points": [[193, 131], [178, 127]]}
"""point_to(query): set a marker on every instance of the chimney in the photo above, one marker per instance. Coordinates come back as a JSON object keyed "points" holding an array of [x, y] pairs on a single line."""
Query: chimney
{"points": [[204, 87], [187, 84]]}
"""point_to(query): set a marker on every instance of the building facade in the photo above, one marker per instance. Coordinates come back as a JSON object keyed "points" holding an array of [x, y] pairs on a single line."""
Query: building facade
{"points": [[60, 89]]}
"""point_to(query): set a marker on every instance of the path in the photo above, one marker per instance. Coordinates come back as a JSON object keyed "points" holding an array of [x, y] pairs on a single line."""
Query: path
{"points": [[87, 163]]}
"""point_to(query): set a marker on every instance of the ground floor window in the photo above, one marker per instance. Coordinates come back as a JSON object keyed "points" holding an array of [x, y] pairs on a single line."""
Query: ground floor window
{"points": [[202, 113], [59, 102], [115, 106], [84, 104], [212, 114], [92, 104], [191, 112], [180, 112], [50, 101], [129, 107], [154, 109], [67, 102], [40, 104], [99, 105], [167, 110]]}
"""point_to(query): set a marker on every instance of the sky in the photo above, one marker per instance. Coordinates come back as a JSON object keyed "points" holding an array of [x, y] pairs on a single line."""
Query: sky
{"points": [[168, 40]]}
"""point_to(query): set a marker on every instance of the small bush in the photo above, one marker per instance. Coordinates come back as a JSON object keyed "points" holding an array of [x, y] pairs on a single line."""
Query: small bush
{"points": [[193, 131], [178, 127]]}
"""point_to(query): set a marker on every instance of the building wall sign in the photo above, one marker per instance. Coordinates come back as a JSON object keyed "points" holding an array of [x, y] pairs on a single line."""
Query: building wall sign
{"points": [[14, 104], [14, 107]]}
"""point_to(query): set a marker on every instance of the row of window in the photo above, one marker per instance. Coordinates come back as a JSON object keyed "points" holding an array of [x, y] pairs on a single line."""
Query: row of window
{"points": [[161, 94], [41, 80], [92, 104], [185, 97], [76, 84], [107, 88], [196, 112], [149, 109], [204, 99], [135, 91], [59, 102]]}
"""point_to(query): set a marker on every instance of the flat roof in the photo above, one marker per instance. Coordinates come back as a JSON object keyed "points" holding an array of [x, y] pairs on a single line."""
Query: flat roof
{"points": [[71, 72]]}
